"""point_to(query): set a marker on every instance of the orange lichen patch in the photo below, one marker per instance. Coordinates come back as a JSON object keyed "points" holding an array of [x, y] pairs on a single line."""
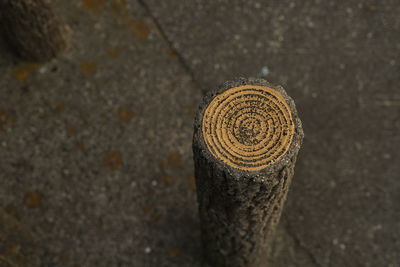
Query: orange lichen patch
{"points": [[14, 249], [93, 4], [174, 252], [140, 28], [170, 52], [191, 111], [11, 210], [191, 182], [148, 208], [70, 129], [248, 127], [80, 146], [20, 75], [119, 5], [166, 180], [59, 107], [22, 72], [114, 52], [7, 119], [174, 160], [33, 199], [112, 160], [88, 68], [64, 258], [156, 218], [124, 114]]}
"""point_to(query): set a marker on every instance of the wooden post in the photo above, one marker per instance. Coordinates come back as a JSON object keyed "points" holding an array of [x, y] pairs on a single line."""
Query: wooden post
{"points": [[246, 138], [32, 29]]}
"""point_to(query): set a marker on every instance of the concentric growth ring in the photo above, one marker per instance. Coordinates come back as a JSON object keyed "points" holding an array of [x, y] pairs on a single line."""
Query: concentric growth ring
{"points": [[248, 127]]}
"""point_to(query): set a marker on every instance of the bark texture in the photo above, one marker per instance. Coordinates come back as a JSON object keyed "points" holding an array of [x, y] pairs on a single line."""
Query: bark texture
{"points": [[32, 29], [239, 209]]}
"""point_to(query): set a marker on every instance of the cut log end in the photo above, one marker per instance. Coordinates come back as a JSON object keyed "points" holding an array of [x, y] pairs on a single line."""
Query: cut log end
{"points": [[248, 127]]}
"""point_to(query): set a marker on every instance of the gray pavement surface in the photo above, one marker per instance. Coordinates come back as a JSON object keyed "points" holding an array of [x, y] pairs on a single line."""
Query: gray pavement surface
{"points": [[95, 146]]}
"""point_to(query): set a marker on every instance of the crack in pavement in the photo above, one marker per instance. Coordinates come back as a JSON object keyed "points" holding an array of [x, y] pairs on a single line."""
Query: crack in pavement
{"points": [[164, 36]]}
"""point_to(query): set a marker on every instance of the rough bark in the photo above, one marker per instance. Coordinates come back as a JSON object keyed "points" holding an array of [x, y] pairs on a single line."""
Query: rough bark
{"points": [[239, 209], [32, 29]]}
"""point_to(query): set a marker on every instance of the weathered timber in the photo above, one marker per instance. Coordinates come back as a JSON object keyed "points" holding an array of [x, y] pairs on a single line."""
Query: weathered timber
{"points": [[247, 135], [32, 29]]}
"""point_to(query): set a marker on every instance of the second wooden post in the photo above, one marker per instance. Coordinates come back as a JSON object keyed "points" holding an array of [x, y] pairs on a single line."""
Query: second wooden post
{"points": [[33, 29]]}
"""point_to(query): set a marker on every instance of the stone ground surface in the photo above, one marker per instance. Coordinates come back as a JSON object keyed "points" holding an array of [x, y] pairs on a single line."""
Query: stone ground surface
{"points": [[95, 146]]}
